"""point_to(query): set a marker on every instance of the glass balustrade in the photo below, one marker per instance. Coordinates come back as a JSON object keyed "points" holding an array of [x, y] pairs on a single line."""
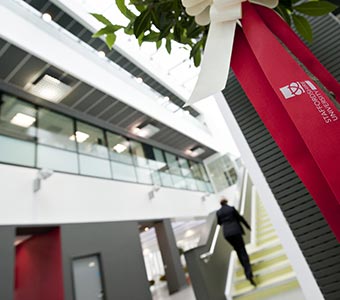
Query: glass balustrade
{"points": [[36, 137]]}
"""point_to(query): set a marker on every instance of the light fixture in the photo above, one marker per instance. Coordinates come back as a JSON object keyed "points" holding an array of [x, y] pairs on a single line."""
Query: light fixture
{"points": [[146, 130], [146, 228], [49, 88], [46, 17], [22, 120], [195, 151], [92, 264], [42, 175], [139, 79], [189, 233], [119, 148], [166, 98], [205, 197], [101, 54], [152, 193], [80, 137]]}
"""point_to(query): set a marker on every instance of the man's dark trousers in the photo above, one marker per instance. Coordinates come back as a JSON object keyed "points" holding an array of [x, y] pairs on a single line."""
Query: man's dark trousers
{"points": [[237, 242]]}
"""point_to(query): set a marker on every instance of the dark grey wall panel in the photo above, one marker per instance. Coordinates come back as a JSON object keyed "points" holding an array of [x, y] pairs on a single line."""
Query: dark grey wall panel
{"points": [[174, 272], [209, 279], [7, 238], [316, 240], [119, 247]]}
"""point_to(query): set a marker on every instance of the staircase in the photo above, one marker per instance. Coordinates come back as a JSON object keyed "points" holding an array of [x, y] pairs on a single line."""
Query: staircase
{"points": [[272, 271]]}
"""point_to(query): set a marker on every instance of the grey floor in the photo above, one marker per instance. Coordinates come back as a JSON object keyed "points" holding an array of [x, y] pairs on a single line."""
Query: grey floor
{"points": [[161, 293]]}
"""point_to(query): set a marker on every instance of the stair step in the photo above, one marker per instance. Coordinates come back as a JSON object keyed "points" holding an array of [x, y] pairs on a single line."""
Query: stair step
{"points": [[265, 249], [266, 257], [265, 231], [267, 239], [274, 266], [266, 278], [266, 234], [267, 290], [263, 225]]}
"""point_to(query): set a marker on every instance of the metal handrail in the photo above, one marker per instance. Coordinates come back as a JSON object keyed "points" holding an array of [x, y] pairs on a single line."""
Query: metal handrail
{"points": [[243, 187], [206, 256]]}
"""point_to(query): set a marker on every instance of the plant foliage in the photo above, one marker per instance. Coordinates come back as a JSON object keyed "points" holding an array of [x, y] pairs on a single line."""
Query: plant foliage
{"points": [[164, 21]]}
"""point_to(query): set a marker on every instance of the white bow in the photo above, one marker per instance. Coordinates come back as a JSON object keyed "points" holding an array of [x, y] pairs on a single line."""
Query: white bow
{"points": [[222, 16]]}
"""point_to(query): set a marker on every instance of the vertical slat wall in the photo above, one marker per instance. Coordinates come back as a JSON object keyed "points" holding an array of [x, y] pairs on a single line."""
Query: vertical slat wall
{"points": [[316, 240]]}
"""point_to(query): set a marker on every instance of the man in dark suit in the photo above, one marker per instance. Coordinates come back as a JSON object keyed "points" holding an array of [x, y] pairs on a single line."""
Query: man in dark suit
{"points": [[230, 220]]}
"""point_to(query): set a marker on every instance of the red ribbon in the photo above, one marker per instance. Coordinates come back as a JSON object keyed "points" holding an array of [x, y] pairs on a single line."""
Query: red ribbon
{"points": [[290, 104]]}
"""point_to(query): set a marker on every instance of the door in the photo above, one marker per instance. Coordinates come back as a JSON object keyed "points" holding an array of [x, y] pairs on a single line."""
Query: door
{"points": [[87, 278]]}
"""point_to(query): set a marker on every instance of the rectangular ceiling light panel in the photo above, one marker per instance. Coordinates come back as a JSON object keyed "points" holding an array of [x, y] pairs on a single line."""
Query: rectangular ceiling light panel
{"points": [[196, 151], [80, 136], [22, 120], [49, 88], [146, 131]]}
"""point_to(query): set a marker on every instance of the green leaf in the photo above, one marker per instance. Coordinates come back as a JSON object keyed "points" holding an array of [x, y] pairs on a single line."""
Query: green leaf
{"points": [[107, 30], [151, 37], [303, 27], [197, 58], [101, 19], [110, 39], [195, 49], [142, 23], [285, 14], [158, 44], [129, 29], [140, 39], [165, 32], [168, 45], [124, 10], [315, 8], [178, 33]]}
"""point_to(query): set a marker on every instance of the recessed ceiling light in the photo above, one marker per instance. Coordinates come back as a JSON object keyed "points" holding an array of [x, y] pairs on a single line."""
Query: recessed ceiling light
{"points": [[49, 88], [22, 120], [46, 17], [139, 79], [145, 131], [195, 151], [101, 54], [80, 136], [119, 148]]}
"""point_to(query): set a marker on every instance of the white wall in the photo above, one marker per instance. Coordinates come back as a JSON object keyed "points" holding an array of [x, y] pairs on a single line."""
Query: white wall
{"points": [[65, 198]]}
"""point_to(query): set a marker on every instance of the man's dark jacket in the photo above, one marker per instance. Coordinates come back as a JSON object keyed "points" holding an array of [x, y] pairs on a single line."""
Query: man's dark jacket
{"points": [[230, 219]]}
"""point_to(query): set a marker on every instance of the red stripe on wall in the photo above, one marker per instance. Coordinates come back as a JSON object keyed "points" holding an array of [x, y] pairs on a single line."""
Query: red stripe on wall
{"points": [[38, 268]]}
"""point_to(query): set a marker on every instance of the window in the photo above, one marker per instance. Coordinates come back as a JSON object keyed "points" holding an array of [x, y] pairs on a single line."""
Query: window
{"points": [[172, 163], [55, 130], [90, 140], [138, 154], [184, 166], [17, 118], [195, 170], [119, 148], [17, 124]]}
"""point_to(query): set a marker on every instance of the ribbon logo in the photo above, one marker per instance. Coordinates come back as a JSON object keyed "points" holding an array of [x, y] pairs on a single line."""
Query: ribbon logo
{"points": [[222, 16], [295, 89]]}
